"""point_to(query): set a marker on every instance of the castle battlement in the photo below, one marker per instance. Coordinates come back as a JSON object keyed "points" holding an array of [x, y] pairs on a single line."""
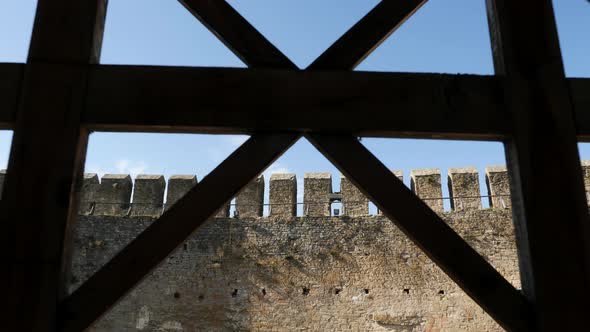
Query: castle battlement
{"points": [[150, 195]]}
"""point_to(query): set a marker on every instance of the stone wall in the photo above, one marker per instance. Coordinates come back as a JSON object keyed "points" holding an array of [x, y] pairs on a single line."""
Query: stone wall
{"points": [[284, 272]]}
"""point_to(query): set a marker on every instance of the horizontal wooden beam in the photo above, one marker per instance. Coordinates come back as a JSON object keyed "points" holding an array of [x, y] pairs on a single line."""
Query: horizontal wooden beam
{"points": [[162, 237], [428, 231], [215, 101]]}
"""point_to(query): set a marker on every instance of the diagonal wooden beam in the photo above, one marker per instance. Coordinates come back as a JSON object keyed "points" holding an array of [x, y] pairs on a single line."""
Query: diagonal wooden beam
{"points": [[11, 76], [162, 237], [428, 231], [238, 34], [550, 212], [366, 35]]}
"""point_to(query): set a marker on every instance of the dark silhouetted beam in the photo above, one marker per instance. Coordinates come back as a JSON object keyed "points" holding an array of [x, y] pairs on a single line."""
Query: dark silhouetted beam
{"points": [[366, 35], [11, 77], [152, 246], [428, 231]]}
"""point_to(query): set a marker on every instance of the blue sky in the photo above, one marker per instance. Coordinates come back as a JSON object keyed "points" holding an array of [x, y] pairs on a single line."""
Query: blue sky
{"points": [[447, 36]]}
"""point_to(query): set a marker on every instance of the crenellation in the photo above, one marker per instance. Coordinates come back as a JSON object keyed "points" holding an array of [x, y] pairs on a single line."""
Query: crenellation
{"points": [[586, 175], [148, 195], [113, 196], [317, 188], [400, 175], [464, 188], [354, 202], [88, 193], [498, 184], [283, 195], [426, 184], [178, 186], [250, 200]]}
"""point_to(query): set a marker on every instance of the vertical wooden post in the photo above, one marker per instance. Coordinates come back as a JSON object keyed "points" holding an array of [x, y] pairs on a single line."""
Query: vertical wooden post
{"points": [[46, 159], [549, 204]]}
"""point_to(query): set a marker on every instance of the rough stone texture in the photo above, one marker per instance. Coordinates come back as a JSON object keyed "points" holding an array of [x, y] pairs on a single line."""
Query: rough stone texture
{"points": [[317, 188], [283, 195], [498, 187], [464, 187], [354, 202], [586, 174], [426, 184], [178, 186], [148, 195], [250, 200], [87, 193], [113, 196], [400, 176], [303, 273]]}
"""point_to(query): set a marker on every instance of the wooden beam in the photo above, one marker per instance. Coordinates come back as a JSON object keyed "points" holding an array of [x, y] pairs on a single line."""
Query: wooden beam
{"points": [[11, 76], [549, 203], [215, 100], [162, 237], [39, 201], [428, 231], [580, 97], [366, 35], [238, 34]]}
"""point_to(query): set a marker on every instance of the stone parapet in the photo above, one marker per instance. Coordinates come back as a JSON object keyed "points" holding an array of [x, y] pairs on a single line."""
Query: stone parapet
{"points": [[250, 200], [464, 188], [113, 196], [498, 185], [425, 183], [148, 195], [354, 202], [283, 195], [317, 188]]}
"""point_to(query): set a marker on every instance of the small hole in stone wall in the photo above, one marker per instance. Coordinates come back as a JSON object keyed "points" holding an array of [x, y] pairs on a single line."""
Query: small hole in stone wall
{"points": [[201, 297], [234, 293], [441, 292], [305, 291], [406, 291], [337, 291], [263, 291], [176, 295], [366, 291], [185, 246]]}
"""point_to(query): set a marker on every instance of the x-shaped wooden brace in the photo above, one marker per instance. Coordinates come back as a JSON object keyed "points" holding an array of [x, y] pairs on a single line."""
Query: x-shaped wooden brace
{"points": [[447, 249]]}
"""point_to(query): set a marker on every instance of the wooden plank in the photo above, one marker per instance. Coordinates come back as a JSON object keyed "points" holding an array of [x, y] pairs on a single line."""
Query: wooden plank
{"points": [[238, 34], [11, 76], [580, 96], [365, 36], [428, 231], [39, 202], [162, 237], [216, 100], [549, 203]]}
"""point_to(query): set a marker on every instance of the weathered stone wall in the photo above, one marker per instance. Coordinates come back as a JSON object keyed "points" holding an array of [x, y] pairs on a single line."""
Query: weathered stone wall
{"points": [[287, 273]]}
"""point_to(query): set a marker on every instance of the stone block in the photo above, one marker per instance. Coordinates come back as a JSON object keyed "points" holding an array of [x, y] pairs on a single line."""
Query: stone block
{"points": [[283, 195], [148, 196], [425, 183], [354, 202], [87, 193], [586, 175], [317, 188], [250, 200], [464, 188], [498, 185], [178, 186], [113, 196]]}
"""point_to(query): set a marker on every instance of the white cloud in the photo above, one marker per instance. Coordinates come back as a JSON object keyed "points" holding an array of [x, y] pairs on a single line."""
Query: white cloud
{"points": [[125, 166]]}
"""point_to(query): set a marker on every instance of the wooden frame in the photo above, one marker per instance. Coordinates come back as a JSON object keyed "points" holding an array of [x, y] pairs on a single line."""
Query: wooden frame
{"points": [[61, 93]]}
